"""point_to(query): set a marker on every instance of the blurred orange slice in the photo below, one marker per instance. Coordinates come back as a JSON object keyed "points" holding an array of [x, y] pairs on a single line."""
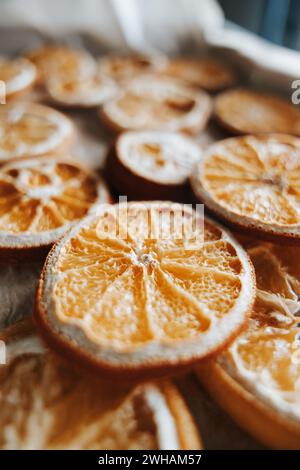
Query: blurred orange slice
{"points": [[158, 103], [41, 198], [49, 404], [57, 62], [18, 75], [29, 129], [143, 289], [207, 73], [257, 379], [124, 68], [148, 164], [252, 182], [245, 111], [83, 93]]}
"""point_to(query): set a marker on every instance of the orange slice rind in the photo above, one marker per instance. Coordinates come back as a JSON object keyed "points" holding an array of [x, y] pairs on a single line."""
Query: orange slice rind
{"points": [[55, 406], [251, 182], [29, 129], [138, 290], [41, 198], [157, 103], [257, 378]]}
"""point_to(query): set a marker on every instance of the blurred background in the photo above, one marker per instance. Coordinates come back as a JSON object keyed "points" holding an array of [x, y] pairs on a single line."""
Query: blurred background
{"points": [[261, 37], [275, 20]]}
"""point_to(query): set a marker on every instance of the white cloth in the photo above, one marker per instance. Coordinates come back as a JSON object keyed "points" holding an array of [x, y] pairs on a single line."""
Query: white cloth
{"points": [[171, 26]]}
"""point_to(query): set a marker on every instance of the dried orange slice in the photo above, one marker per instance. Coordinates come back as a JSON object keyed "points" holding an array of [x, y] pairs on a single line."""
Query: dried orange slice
{"points": [[84, 93], [58, 62], [41, 198], [47, 404], [124, 68], [29, 129], [158, 103], [245, 111], [257, 379], [143, 289], [147, 164], [18, 75], [207, 73], [253, 183]]}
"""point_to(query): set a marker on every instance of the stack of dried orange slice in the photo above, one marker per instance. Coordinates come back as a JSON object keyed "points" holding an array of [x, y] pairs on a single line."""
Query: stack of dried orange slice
{"points": [[61, 61]]}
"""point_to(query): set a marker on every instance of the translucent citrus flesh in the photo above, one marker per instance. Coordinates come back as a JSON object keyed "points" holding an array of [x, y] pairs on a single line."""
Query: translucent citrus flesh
{"points": [[267, 354], [44, 196], [250, 112], [45, 404], [256, 178], [145, 284], [22, 131]]}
